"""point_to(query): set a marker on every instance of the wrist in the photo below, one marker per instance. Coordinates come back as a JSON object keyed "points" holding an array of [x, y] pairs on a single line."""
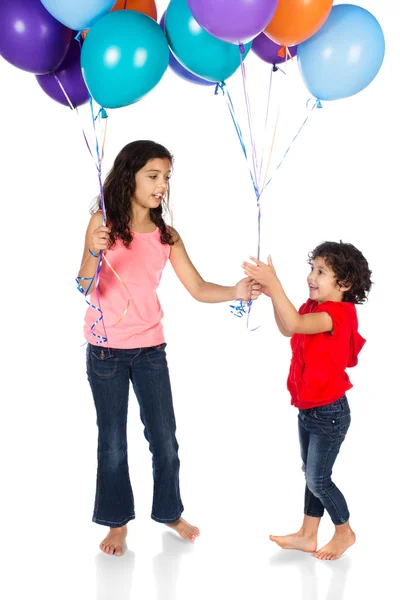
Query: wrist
{"points": [[94, 253]]}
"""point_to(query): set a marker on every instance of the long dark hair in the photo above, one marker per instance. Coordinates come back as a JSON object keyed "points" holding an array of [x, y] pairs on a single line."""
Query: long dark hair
{"points": [[349, 266], [119, 189]]}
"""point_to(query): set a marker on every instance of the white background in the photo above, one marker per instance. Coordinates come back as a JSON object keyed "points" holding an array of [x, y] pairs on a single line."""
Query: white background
{"points": [[240, 465]]}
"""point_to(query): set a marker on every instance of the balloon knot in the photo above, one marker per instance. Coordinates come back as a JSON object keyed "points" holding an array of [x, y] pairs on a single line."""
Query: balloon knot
{"points": [[242, 49], [319, 105], [282, 51], [274, 68], [103, 113], [78, 36]]}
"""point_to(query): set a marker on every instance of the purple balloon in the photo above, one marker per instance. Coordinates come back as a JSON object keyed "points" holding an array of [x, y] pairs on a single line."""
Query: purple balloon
{"points": [[70, 75], [267, 50], [30, 38], [179, 69], [234, 21]]}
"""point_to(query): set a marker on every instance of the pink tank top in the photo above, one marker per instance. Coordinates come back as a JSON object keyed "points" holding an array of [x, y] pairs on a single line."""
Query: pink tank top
{"points": [[140, 267]]}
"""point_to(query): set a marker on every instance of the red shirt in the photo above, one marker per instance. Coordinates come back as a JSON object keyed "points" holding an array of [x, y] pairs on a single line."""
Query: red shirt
{"points": [[317, 373]]}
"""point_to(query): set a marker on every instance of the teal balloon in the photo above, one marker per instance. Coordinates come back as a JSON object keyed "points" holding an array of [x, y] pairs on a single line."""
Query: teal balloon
{"points": [[124, 56], [196, 49], [344, 56]]}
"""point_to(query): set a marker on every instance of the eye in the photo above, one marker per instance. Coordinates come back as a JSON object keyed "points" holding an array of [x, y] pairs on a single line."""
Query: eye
{"points": [[153, 176], [320, 272]]}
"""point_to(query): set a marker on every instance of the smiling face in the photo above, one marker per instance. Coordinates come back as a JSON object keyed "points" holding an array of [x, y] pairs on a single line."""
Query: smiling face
{"points": [[322, 283], [152, 183]]}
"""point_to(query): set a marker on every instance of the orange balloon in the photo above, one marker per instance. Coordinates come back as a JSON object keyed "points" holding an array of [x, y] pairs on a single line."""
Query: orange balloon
{"points": [[147, 7], [296, 20]]}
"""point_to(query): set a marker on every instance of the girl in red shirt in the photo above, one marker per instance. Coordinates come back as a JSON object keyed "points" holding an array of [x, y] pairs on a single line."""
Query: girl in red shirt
{"points": [[324, 342]]}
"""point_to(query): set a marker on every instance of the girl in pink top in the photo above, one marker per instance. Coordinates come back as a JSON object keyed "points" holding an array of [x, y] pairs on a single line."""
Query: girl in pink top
{"points": [[130, 346]]}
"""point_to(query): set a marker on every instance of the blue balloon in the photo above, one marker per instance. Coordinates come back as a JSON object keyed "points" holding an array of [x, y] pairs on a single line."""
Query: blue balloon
{"points": [[78, 14], [123, 57], [199, 51], [179, 69], [344, 56]]}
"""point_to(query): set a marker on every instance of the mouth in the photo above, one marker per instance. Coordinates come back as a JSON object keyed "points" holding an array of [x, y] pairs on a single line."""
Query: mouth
{"points": [[158, 197], [313, 288]]}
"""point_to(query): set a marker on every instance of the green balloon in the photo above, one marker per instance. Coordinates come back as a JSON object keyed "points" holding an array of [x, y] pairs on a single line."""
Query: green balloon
{"points": [[196, 49], [124, 56]]}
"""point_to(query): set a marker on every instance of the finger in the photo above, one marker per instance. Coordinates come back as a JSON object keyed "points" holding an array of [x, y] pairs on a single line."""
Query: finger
{"points": [[248, 266], [103, 228], [258, 262], [250, 273]]}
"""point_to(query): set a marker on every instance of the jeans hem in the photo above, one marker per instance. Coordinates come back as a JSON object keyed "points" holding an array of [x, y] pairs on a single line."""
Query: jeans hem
{"points": [[341, 522], [113, 523], [310, 514], [167, 520]]}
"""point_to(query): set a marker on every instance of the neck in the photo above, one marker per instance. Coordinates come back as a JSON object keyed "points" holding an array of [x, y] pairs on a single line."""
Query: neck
{"points": [[140, 216]]}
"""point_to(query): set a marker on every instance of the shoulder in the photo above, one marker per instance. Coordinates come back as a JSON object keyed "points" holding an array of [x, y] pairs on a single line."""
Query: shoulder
{"points": [[175, 235], [96, 220], [337, 310], [308, 307], [343, 315]]}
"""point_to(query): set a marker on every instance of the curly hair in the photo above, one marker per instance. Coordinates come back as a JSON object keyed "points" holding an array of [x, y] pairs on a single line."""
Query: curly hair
{"points": [[119, 189], [349, 266]]}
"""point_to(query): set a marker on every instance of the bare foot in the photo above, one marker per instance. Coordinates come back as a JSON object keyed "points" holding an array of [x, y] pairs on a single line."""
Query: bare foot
{"points": [[337, 546], [185, 530], [296, 541], [114, 543]]}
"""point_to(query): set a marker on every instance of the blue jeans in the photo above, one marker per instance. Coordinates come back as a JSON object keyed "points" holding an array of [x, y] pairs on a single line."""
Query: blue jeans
{"points": [[321, 432], [109, 371]]}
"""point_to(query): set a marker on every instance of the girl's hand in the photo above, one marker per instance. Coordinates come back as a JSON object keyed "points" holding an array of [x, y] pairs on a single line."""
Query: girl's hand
{"points": [[100, 239], [262, 273], [247, 289]]}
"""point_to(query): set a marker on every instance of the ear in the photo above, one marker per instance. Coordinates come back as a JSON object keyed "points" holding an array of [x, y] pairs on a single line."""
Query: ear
{"points": [[343, 287]]}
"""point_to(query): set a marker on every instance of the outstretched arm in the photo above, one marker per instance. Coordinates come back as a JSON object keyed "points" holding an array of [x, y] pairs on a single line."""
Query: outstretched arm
{"points": [[204, 291], [289, 317]]}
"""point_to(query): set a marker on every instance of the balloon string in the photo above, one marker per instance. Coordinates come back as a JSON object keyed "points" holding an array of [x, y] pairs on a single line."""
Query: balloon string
{"points": [[239, 308], [317, 104], [224, 88], [266, 122], [249, 118], [127, 291], [274, 134], [75, 109]]}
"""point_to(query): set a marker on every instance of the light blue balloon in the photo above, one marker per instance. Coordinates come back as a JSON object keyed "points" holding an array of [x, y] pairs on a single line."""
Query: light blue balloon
{"points": [[123, 57], [78, 14], [344, 56], [198, 51]]}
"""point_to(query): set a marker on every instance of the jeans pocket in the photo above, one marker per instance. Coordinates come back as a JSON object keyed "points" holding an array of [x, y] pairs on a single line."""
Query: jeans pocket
{"points": [[156, 356], [334, 423], [103, 361]]}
